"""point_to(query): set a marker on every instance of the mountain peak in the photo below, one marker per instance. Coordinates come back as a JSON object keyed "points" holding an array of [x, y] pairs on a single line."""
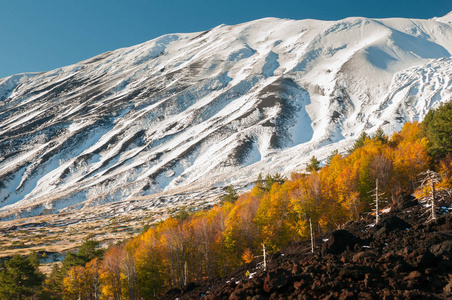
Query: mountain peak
{"points": [[446, 18], [187, 111]]}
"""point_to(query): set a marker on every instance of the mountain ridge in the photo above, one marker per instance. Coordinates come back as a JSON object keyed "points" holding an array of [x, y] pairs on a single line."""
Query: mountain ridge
{"points": [[212, 108]]}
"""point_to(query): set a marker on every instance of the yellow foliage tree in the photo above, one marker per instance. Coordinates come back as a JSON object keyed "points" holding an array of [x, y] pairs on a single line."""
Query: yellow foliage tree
{"points": [[74, 284]]}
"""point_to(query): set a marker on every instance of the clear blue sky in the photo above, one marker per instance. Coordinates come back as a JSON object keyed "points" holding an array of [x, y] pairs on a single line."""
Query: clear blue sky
{"points": [[41, 35]]}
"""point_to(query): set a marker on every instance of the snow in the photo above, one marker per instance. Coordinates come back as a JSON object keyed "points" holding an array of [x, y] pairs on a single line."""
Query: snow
{"points": [[189, 111]]}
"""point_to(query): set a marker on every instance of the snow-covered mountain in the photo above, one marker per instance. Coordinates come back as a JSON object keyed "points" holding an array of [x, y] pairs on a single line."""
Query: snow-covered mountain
{"points": [[212, 108]]}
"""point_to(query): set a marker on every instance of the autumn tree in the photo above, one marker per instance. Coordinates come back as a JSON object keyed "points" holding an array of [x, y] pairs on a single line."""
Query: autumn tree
{"points": [[241, 232], [330, 157], [304, 206], [130, 273], [74, 284], [381, 168], [174, 240], [410, 156], [92, 275], [205, 236], [273, 217], [348, 195], [87, 251], [335, 189], [150, 265], [217, 220], [83, 282], [110, 274]]}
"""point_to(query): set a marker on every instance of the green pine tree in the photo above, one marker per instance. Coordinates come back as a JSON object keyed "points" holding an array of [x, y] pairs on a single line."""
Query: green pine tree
{"points": [[437, 127], [19, 279], [330, 157], [182, 214], [380, 136], [87, 251], [358, 143], [53, 285], [230, 195], [313, 165], [259, 181], [270, 180]]}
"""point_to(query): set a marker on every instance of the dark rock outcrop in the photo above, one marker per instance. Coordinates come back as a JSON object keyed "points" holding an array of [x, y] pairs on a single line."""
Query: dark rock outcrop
{"points": [[403, 257], [339, 241]]}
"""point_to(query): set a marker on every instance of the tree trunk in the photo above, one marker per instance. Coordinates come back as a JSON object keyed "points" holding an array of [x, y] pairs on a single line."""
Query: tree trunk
{"points": [[433, 199], [185, 273], [377, 210], [312, 236]]}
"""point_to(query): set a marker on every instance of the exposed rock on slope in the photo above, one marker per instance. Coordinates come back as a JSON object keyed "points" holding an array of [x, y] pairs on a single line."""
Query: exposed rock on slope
{"points": [[211, 108], [401, 258]]}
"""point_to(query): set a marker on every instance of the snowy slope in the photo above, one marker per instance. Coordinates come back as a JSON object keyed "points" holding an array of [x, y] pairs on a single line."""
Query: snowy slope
{"points": [[211, 108]]}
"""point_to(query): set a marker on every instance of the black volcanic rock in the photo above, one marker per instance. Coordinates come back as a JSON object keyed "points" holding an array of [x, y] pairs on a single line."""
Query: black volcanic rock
{"points": [[360, 261], [393, 223], [339, 241]]}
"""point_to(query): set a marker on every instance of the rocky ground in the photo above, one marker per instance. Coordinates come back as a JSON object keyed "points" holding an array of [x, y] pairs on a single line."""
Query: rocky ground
{"points": [[403, 257]]}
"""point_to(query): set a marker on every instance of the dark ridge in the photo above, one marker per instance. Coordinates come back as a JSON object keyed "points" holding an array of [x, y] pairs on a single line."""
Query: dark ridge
{"points": [[224, 99], [171, 75], [9, 176], [98, 58], [241, 151], [160, 96], [150, 91], [201, 35], [118, 165], [67, 144], [100, 93], [195, 68], [275, 94], [133, 139], [175, 161], [63, 82], [7, 155], [75, 163], [102, 166], [73, 140], [28, 127], [49, 131], [340, 104]]}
